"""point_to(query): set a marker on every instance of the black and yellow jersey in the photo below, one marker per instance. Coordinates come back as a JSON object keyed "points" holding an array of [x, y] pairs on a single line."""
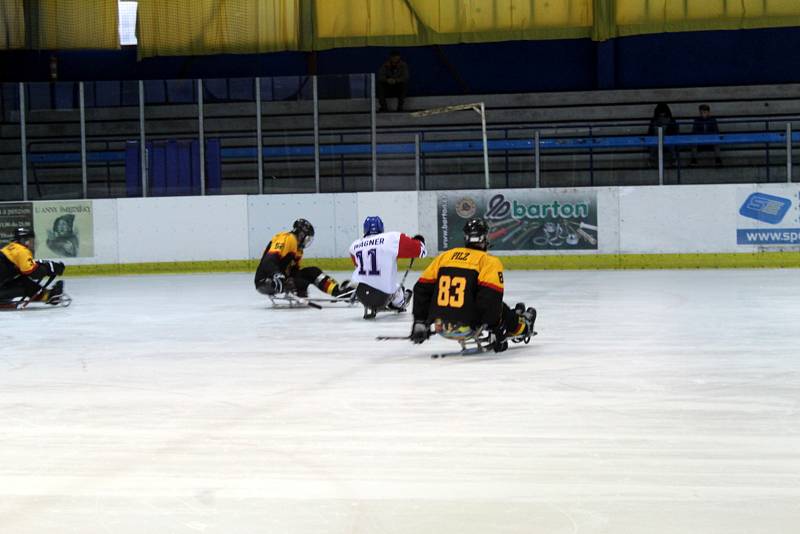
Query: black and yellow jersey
{"points": [[15, 259], [282, 255], [463, 286]]}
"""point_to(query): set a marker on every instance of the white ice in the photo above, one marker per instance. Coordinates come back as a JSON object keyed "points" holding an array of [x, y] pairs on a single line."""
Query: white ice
{"points": [[651, 402]]}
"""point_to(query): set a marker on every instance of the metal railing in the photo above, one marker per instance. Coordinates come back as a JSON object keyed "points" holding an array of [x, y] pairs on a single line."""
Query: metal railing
{"points": [[520, 154]]}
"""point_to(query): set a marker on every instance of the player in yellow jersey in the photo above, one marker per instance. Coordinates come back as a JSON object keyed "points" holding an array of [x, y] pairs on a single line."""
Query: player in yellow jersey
{"points": [[462, 290], [20, 273], [279, 270]]}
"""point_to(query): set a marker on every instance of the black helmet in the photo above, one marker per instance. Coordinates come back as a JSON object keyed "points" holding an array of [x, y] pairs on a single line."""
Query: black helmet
{"points": [[476, 234], [304, 232], [22, 233]]}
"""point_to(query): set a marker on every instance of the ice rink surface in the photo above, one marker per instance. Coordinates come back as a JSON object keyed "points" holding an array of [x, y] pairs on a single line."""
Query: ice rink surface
{"points": [[651, 402]]}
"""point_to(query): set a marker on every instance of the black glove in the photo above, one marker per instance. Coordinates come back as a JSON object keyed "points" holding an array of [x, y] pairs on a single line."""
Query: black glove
{"points": [[499, 343], [288, 285], [271, 286], [419, 237], [419, 332], [265, 287], [55, 268]]}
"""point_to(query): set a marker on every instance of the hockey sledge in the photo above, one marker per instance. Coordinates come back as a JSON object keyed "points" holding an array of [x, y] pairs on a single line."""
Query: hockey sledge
{"points": [[372, 313], [473, 341], [292, 300], [61, 301]]}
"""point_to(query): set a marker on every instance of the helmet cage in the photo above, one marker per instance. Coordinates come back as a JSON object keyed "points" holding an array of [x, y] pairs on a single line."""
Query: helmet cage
{"points": [[476, 234], [304, 232]]}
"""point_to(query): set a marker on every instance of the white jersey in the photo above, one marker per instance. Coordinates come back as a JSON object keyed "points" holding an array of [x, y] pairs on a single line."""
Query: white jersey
{"points": [[376, 256]]}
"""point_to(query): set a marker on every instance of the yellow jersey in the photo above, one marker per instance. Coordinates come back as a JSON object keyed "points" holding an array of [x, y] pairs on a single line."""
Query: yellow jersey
{"points": [[15, 259], [461, 286], [285, 252]]}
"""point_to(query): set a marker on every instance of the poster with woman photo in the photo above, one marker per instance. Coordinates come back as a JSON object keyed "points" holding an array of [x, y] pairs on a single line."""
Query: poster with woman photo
{"points": [[64, 229]]}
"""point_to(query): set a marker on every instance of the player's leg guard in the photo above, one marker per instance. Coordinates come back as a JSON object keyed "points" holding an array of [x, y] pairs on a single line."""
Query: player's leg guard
{"points": [[305, 277], [323, 282], [400, 299], [19, 287], [54, 294], [525, 317], [326, 284], [268, 286], [10, 292]]}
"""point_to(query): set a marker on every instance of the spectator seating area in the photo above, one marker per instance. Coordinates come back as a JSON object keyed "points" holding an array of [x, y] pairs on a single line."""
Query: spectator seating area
{"points": [[229, 117]]}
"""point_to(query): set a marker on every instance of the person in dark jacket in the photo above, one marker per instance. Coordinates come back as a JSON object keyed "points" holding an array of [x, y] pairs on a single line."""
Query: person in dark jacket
{"points": [[393, 81], [662, 117], [705, 124]]}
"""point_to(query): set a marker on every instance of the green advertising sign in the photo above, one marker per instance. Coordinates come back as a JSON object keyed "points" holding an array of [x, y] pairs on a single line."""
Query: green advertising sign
{"points": [[522, 220]]}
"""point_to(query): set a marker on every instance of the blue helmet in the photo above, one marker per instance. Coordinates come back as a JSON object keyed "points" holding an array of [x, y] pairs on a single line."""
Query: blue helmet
{"points": [[373, 225]]}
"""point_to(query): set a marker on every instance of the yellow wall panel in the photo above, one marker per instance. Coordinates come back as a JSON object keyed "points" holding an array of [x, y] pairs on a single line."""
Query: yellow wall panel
{"points": [[64, 24], [360, 18], [193, 27], [656, 11], [177, 27], [775, 8], [12, 24], [567, 14], [453, 16]]}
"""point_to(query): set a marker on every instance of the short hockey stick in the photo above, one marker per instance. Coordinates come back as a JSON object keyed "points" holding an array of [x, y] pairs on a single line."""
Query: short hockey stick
{"points": [[405, 275], [24, 301]]}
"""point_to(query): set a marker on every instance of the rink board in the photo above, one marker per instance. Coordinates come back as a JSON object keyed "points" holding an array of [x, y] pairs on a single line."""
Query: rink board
{"points": [[637, 227]]}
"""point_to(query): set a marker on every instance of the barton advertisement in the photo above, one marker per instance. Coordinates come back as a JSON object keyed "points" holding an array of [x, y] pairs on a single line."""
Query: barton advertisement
{"points": [[522, 220]]}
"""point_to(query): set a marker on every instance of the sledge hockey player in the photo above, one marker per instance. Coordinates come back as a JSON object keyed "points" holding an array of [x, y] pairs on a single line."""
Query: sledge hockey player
{"points": [[280, 271], [462, 291], [375, 257], [20, 273]]}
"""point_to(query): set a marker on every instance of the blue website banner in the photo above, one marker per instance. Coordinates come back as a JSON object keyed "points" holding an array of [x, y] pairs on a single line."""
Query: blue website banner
{"points": [[756, 236], [769, 219]]}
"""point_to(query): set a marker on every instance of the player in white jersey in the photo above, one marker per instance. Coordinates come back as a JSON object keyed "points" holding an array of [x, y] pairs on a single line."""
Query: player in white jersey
{"points": [[375, 257]]}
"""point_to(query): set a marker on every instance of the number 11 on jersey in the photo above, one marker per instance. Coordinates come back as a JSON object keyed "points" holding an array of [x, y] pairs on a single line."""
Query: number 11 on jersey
{"points": [[372, 255]]}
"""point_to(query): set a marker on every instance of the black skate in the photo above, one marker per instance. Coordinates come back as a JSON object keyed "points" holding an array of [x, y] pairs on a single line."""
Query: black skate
{"points": [[54, 295], [407, 294], [528, 317]]}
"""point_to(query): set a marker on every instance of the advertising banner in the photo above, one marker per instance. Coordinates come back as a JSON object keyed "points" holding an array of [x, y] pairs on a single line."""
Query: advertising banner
{"points": [[531, 219], [12, 216], [768, 219], [64, 229]]}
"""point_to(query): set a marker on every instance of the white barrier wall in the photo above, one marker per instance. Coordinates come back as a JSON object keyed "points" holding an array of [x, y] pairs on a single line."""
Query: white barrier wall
{"points": [[630, 220]]}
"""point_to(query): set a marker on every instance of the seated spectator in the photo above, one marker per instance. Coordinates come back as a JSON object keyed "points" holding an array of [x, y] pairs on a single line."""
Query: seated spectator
{"points": [[705, 124], [393, 81], [662, 117]]}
